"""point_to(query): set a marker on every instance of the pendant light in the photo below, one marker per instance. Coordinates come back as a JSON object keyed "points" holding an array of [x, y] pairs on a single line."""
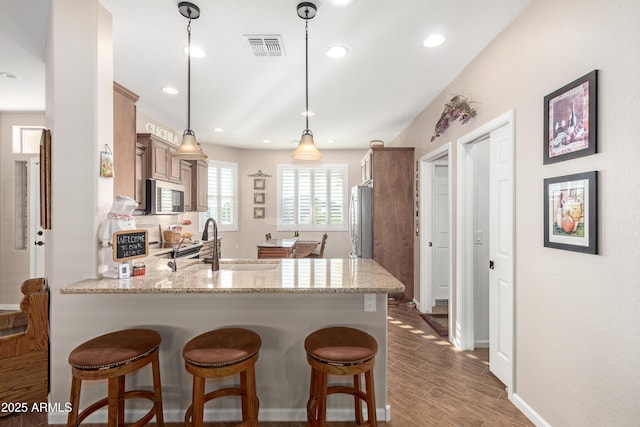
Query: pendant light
{"points": [[306, 150], [189, 149]]}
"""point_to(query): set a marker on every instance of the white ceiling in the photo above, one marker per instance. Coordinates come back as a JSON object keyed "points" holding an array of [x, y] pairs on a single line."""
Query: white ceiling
{"points": [[373, 93]]}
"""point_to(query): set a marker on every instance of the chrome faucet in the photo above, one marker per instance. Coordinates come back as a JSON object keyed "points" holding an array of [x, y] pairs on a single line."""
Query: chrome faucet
{"points": [[215, 259], [173, 264]]}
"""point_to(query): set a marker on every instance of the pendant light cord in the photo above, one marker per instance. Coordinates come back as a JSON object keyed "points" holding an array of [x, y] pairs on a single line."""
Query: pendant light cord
{"points": [[189, 75], [306, 63]]}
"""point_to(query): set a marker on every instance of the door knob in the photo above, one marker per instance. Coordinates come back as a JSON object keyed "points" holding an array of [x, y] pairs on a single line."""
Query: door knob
{"points": [[491, 265], [430, 244], [39, 243], [40, 233]]}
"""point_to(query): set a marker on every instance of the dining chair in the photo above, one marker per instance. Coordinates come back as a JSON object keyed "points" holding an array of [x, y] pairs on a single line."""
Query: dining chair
{"points": [[320, 254], [303, 249]]}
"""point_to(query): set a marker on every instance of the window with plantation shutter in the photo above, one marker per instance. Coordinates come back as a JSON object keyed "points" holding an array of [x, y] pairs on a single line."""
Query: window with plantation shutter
{"points": [[223, 195], [312, 198]]}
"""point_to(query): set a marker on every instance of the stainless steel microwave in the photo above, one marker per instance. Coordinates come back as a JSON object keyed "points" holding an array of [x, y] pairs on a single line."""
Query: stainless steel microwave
{"points": [[164, 197]]}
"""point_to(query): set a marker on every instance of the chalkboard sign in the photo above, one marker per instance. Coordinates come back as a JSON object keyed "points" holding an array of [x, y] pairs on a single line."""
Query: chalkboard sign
{"points": [[130, 244]]}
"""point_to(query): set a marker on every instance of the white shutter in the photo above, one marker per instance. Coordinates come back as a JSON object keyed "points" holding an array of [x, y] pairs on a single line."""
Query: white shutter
{"points": [[223, 194], [312, 198]]}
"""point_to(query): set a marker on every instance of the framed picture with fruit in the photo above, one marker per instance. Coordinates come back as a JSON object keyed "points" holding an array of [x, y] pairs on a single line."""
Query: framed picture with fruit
{"points": [[570, 212], [570, 120]]}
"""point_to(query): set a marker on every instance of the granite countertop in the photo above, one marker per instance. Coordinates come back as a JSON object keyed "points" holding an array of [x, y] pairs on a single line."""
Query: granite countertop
{"points": [[289, 275]]}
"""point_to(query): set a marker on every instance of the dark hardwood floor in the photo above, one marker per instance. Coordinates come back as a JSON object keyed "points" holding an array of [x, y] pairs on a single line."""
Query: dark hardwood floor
{"points": [[430, 384]]}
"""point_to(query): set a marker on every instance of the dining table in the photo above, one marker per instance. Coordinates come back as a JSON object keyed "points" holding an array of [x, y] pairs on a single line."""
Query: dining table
{"points": [[285, 248]]}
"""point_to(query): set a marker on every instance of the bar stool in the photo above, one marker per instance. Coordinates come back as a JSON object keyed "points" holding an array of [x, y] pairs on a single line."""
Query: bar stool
{"points": [[217, 354], [340, 351], [111, 357]]}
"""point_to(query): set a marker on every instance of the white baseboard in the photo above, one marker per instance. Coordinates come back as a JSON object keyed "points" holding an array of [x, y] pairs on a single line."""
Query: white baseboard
{"points": [[482, 344], [217, 415], [528, 411], [12, 307]]}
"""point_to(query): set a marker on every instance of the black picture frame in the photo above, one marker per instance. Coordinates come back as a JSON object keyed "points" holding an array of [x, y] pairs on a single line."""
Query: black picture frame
{"points": [[570, 212], [570, 120]]}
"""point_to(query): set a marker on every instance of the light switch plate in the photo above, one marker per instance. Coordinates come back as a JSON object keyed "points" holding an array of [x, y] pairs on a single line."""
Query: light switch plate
{"points": [[369, 302]]}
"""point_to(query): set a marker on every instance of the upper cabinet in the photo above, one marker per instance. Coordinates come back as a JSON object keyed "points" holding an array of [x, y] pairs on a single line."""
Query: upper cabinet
{"points": [[200, 186], [161, 165], [124, 141], [154, 155]]}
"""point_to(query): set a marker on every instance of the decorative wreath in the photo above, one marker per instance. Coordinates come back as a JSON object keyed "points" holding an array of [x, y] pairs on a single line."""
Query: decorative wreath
{"points": [[460, 108]]}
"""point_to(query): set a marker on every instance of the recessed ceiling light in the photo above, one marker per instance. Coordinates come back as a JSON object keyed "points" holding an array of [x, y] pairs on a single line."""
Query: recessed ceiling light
{"points": [[6, 75], [330, 141], [266, 141], [170, 90], [337, 52], [218, 130], [196, 52], [308, 113], [434, 40]]}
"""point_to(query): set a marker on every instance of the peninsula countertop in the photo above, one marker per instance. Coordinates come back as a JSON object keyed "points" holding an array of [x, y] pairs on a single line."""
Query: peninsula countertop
{"points": [[289, 275]]}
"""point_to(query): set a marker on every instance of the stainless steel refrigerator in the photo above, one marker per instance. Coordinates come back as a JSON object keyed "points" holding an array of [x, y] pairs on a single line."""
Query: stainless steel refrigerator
{"points": [[361, 222]]}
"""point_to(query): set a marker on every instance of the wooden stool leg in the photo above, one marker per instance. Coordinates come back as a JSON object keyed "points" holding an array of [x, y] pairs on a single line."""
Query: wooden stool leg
{"points": [[244, 397], [74, 399], [157, 390], [198, 402], [371, 398], [322, 398], [357, 401], [113, 397], [251, 396]]}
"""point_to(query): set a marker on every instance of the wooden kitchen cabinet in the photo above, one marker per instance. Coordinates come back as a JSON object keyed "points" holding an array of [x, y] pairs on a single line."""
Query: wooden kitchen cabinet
{"points": [[174, 168], [200, 186], [195, 177], [124, 141], [393, 178], [161, 165], [186, 167], [154, 157], [142, 173], [158, 156]]}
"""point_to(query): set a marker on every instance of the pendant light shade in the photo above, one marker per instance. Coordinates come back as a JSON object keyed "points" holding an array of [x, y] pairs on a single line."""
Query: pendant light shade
{"points": [[189, 148], [307, 149]]}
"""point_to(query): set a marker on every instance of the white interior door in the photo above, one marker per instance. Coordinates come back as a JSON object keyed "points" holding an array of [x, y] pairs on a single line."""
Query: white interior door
{"points": [[500, 253], [440, 234], [36, 233]]}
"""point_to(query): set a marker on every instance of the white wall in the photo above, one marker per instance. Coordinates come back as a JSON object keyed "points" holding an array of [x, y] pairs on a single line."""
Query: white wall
{"points": [[576, 350], [14, 263]]}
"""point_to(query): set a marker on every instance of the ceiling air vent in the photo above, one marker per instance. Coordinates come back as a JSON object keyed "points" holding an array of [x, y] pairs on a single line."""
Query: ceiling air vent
{"points": [[266, 45]]}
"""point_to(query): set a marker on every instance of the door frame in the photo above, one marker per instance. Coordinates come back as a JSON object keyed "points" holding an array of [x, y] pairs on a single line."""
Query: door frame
{"points": [[464, 248], [426, 172]]}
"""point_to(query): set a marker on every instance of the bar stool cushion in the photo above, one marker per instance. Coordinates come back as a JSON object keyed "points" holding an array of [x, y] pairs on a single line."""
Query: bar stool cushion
{"points": [[341, 346], [114, 349], [222, 347]]}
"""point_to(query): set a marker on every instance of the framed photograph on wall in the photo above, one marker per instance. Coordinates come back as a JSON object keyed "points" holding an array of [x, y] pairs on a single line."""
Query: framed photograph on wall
{"points": [[570, 120], [258, 198], [258, 183], [258, 212], [570, 212]]}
